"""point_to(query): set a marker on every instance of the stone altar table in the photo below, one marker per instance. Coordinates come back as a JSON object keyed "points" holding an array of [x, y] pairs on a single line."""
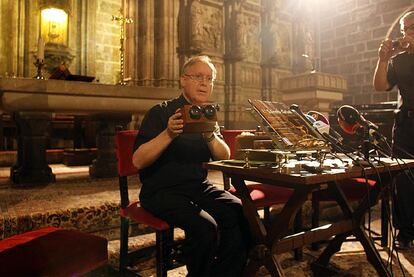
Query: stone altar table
{"points": [[32, 103]]}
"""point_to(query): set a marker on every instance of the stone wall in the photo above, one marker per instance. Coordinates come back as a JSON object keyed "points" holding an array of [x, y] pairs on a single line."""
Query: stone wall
{"points": [[251, 43], [93, 38], [350, 34], [107, 41]]}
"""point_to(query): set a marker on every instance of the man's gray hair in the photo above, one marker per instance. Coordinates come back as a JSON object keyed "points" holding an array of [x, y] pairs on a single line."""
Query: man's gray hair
{"points": [[202, 59], [404, 17]]}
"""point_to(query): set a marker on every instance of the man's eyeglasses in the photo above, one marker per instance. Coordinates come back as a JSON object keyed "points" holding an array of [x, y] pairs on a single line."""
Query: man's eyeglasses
{"points": [[200, 78], [409, 27]]}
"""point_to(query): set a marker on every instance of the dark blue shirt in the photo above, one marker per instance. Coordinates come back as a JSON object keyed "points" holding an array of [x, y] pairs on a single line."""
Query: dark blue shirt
{"points": [[180, 166]]}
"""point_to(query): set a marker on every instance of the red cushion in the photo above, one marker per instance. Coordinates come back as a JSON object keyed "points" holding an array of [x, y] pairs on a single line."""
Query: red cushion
{"points": [[353, 188], [125, 140], [229, 137], [52, 252], [140, 215], [264, 195]]}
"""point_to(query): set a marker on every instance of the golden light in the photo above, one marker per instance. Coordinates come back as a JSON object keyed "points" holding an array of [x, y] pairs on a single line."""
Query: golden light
{"points": [[54, 26]]}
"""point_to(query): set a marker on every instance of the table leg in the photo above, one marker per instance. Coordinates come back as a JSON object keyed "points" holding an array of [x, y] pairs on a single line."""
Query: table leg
{"points": [[267, 259], [358, 230], [372, 254], [256, 225], [261, 253], [320, 266], [274, 267], [284, 219]]}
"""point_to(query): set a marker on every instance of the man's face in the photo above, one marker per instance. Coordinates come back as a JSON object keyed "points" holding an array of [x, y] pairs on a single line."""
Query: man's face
{"points": [[197, 83], [409, 27]]}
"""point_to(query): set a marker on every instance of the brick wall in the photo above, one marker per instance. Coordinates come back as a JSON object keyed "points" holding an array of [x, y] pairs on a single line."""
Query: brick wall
{"points": [[350, 35], [107, 41]]}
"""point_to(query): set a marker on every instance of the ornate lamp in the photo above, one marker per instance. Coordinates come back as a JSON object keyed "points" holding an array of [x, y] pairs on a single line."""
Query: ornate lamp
{"points": [[54, 26]]}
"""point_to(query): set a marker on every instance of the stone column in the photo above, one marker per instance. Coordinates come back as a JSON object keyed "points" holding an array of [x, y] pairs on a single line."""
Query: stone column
{"points": [[166, 68], [31, 166], [145, 43], [2, 146], [105, 164]]}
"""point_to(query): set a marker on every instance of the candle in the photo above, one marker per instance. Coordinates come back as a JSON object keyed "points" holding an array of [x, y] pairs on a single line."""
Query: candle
{"points": [[40, 49]]}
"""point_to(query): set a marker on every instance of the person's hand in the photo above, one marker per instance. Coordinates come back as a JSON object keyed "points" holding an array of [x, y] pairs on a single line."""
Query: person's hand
{"points": [[385, 50], [407, 43], [175, 124]]}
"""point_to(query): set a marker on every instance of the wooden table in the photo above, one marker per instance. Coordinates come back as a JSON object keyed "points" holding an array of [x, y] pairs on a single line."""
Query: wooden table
{"points": [[272, 239]]}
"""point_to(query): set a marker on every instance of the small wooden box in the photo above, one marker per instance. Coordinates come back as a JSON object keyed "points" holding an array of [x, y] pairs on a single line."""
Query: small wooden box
{"points": [[197, 125]]}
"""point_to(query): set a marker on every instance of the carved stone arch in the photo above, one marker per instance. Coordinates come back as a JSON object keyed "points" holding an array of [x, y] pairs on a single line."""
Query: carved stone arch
{"points": [[394, 30], [65, 5]]}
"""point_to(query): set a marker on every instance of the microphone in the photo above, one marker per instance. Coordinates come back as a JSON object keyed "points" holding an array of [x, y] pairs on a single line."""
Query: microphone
{"points": [[374, 136], [326, 130], [320, 123], [350, 120], [295, 107], [335, 143], [323, 126]]}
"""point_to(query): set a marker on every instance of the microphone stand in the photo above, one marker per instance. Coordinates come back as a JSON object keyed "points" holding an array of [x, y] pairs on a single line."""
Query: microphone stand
{"points": [[366, 144]]}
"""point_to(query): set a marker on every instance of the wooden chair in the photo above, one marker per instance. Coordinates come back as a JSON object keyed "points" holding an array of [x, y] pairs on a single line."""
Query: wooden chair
{"points": [[167, 250]]}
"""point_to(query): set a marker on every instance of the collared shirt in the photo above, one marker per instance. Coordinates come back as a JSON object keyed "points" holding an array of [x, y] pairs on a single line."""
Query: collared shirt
{"points": [[180, 165]]}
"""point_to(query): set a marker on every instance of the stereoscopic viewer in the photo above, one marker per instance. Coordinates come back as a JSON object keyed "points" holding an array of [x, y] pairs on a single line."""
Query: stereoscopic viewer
{"points": [[199, 119], [398, 43]]}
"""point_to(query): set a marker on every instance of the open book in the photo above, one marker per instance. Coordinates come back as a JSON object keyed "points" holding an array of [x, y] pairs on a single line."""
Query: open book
{"points": [[287, 129]]}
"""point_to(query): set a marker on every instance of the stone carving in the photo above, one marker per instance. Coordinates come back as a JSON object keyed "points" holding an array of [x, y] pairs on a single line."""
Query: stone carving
{"points": [[253, 39], [241, 36], [308, 42], [206, 27], [305, 52], [280, 46], [274, 7], [197, 22], [247, 38], [251, 76], [304, 37], [55, 55]]}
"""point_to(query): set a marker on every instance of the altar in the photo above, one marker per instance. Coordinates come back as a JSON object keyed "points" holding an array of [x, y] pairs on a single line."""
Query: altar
{"points": [[32, 103]]}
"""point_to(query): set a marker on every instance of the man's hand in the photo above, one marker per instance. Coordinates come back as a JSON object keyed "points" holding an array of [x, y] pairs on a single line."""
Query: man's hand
{"points": [[150, 151], [385, 51], [407, 43], [175, 124]]}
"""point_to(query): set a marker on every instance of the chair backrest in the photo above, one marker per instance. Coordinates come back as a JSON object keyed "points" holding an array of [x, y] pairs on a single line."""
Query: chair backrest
{"points": [[125, 141]]}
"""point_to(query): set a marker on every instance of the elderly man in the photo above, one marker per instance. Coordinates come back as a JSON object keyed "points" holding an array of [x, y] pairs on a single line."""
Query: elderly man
{"points": [[395, 67], [175, 185]]}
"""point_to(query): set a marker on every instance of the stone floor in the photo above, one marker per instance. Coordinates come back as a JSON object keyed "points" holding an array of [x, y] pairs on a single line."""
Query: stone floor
{"points": [[75, 192]]}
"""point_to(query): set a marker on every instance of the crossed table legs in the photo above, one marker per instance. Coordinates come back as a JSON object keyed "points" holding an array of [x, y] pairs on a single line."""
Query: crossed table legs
{"points": [[271, 241]]}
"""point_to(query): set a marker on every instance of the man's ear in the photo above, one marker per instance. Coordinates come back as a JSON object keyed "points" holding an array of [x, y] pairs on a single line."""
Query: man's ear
{"points": [[182, 81]]}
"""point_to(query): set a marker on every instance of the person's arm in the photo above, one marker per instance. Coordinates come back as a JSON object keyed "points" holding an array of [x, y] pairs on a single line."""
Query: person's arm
{"points": [[218, 147], [385, 52], [149, 152]]}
